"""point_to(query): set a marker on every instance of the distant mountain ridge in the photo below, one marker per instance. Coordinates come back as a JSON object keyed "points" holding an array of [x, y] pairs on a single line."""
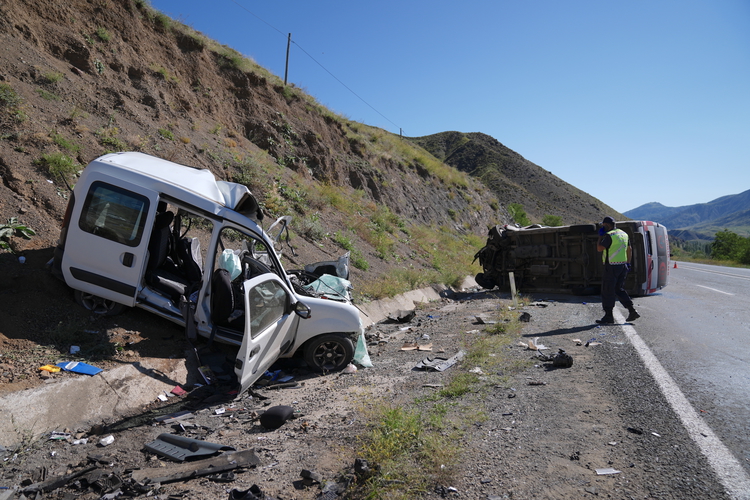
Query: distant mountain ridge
{"points": [[513, 178], [702, 220]]}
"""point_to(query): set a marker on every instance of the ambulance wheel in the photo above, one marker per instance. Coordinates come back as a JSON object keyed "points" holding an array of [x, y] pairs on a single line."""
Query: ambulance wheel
{"points": [[329, 352], [97, 305]]}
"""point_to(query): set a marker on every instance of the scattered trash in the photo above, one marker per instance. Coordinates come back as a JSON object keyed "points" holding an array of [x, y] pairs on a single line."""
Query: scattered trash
{"points": [[275, 417], [524, 317], [80, 441], [612, 443], [635, 430], [74, 349], [484, 319], [439, 364], [533, 345], [349, 369], [656, 434], [162, 397], [604, 472], [50, 368], [361, 356], [178, 391], [539, 304], [253, 493], [403, 316], [207, 375], [179, 472], [224, 477], [22, 260], [78, 367], [106, 441], [536, 382], [59, 436], [476, 370], [414, 346], [310, 478], [181, 448], [562, 359]]}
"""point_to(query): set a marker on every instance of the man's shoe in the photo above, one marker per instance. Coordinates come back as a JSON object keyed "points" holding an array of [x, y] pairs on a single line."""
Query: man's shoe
{"points": [[633, 315], [608, 319]]}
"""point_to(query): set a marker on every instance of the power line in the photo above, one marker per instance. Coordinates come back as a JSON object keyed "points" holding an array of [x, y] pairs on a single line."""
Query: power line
{"points": [[314, 60]]}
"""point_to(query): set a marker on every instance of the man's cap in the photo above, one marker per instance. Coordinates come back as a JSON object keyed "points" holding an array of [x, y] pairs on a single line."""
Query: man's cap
{"points": [[608, 220]]}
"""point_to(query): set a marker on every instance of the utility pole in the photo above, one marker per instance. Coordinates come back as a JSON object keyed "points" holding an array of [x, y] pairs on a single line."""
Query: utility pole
{"points": [[286, 67]]}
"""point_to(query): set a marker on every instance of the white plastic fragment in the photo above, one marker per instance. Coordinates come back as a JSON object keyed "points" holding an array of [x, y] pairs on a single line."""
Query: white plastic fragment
{"points": [[106, 441], [607, 471]]}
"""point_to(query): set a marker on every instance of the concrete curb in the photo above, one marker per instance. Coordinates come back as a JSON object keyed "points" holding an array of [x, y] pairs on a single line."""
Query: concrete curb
{"points": [[82, 399]]}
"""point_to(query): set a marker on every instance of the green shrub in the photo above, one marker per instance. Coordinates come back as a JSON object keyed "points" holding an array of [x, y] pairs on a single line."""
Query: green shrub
{"points": [[65, 143], [166, 133], [47, 95], [52, 77], [552, 220], [103, 34], [519, 214], [59, 165], [13, 228], [8, 97]]}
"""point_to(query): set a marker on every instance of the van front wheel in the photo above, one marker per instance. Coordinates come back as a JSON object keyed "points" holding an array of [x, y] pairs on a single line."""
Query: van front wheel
{"points": [[329, 352], [97, 305]]}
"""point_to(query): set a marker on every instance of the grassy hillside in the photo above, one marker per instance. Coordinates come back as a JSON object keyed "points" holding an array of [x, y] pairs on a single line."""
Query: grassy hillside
{"points": [[82, 78], [514, 179]]}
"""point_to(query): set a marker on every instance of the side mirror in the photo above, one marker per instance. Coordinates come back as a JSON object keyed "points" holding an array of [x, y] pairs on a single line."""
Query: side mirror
{"points": [[302, 310]]}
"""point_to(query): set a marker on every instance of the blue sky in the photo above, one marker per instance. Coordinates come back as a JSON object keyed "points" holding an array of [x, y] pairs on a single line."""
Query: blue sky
{"points": [[632, 101]]}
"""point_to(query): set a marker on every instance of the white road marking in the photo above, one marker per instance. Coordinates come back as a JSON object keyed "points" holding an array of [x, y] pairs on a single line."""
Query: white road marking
{"points": [[729, 471], [714, 289]]}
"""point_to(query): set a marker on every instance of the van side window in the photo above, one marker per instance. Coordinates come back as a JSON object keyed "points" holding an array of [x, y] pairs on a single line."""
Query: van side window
{"points": [[649, 247], [114, 213]]}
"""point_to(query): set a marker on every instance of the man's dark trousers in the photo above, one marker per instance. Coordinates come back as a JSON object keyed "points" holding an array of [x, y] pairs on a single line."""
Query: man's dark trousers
{"points": [[613, 283]]}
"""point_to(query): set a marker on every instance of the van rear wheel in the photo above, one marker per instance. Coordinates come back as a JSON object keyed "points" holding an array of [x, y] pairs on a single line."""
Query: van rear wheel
{"points": [[98, 305], [329, 352]]}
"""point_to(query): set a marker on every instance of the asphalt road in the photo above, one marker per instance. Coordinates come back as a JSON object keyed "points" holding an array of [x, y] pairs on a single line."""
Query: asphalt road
{"points": [[698, 327]]}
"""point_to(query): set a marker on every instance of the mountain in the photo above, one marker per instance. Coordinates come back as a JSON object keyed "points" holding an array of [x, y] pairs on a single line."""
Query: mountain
{"points": [[702, 220], [515, 179]]}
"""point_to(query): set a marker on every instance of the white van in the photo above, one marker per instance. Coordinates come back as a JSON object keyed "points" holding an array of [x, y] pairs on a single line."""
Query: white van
{"points": [[144, 232]]}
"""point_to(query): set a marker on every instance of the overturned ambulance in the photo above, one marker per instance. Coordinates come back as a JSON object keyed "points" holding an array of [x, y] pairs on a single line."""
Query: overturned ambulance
{"points": [[565, 260]]}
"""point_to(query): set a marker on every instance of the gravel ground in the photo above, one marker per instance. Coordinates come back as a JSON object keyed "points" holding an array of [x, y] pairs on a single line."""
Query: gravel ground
{"points": [[543, 433]]}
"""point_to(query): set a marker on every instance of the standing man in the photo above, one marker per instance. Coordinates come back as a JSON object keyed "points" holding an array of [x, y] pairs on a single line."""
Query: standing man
{"points": [[616, 256]]}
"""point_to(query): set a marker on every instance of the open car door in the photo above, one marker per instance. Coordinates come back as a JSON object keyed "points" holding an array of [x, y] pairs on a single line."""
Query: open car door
{"points": [[270, 327]]}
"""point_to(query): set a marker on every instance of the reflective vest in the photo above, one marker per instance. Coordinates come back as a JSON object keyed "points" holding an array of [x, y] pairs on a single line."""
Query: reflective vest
{"points": [[618, 250]]}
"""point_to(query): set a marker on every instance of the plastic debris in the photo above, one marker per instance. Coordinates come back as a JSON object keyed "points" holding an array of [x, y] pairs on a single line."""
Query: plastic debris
{"points": [[607, 471], [78, 367], [106, 441], [439, 364], [50, 368], [349, 369], [533, 345]]}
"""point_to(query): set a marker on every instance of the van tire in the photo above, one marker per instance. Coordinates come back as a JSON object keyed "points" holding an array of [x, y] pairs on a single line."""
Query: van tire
{"points": [[97, 305], [329, 352]]}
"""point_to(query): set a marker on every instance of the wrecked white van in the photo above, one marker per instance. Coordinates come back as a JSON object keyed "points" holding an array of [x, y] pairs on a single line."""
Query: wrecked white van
{"points": [[144, 232]]}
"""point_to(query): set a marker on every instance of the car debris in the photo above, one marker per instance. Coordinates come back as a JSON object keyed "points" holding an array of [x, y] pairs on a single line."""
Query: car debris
{"points": [[275, 417], [180, 448], [188, 470], [439, 364]]}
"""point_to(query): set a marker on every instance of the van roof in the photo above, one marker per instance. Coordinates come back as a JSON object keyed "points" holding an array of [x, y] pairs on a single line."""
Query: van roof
{"points": [[175, 177]]}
